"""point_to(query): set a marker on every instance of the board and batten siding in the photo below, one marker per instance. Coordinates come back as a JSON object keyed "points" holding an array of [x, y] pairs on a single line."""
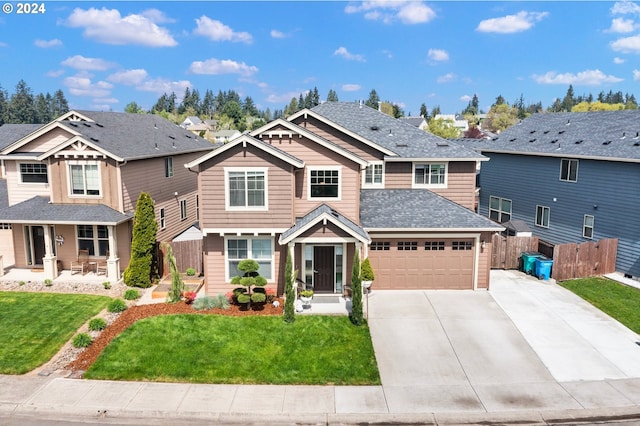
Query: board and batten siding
{"points": [[17, 191], [606, 190], [61, 184]]}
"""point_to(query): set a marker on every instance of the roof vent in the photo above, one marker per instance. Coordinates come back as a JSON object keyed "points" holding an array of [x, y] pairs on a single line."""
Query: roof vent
{"points": [[545, 132], [637, 135], [568, 121], [156, 145], [606, 142], [636, 144], [578, 142], [512, 139], [532, 132], [94, 139], [401, 145], [390, 134], [188, 135], [86, 124], [71, 123], [554, 140], [173, 144], [444, 143], [172, 137], [335, 213], [374, 128], [99, 125], [532, 140], [561, 132], [624, 135]]}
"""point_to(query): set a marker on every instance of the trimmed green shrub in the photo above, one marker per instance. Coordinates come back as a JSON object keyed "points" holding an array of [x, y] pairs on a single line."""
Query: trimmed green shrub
{"points": [[250, 278], [356, 292], [131, 294], [191, 272], [106, 285], [290, 295], [177, 285], [206, 303], [82, 340], [48, 282], [145, 229], [21, 283], [117, 305], [366, 271], [97, 324]]}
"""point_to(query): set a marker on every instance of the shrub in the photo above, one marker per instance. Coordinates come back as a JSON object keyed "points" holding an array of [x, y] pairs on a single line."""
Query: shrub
{"points": [[82, 340], [191, 272], [177, 286], [21, 283], [356, 292], [145, 229], [48, 282], [131, 294], [206, 303], [97, 324], [106, 285], [366, 273], [250, 278], [289, 315], [306, 293], [190, 296], [117, 305]]}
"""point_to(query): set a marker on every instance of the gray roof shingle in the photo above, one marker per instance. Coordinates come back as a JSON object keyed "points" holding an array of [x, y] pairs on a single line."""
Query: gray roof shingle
{"points": [[39, 210], [316, 213], [604, 135], [9, 133], [402, 138], [417, 209]]}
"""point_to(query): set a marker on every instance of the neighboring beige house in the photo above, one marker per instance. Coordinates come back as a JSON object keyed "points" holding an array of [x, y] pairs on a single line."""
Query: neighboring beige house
{"points": [[73, 184], [223, 136], [336, 179]]}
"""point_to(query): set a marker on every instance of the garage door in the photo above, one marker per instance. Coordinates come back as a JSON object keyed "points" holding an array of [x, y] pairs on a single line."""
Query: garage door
{"points": [[422, 264]]}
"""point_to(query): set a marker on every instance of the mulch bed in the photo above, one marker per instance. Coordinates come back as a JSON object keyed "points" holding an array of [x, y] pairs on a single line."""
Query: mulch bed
{"points": [[135, 313]]}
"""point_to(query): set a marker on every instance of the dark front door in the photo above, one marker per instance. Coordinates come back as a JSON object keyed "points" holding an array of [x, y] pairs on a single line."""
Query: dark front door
{"points": [[37, 235], [324, 272]]}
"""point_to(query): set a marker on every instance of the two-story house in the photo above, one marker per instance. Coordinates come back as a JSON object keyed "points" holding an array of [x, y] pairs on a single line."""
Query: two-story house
{"points": [[572, 177], [334, 179], [73, 184]]}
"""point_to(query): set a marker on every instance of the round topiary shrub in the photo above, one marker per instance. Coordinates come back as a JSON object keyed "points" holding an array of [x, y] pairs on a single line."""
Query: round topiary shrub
{"points": [[97, 324], [82, 340], [191, 272], [117, 305], [131, 294]]}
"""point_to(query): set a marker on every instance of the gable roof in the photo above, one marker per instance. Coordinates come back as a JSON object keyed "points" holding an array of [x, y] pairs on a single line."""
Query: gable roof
{"points": [[219, 148], [9, 133], [394, 137], [417, 209], [324, 213], [602, 135]]}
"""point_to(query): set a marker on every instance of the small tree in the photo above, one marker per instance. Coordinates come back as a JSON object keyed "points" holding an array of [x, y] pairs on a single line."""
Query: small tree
{"points": [[177, 285], [356, 289], [289, 315], [145, 228], [366, 271], [250, 278]]}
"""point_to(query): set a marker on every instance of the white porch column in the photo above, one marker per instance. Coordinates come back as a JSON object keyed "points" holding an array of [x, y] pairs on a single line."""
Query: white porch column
{"points": [[49, 260], [113, 262]]}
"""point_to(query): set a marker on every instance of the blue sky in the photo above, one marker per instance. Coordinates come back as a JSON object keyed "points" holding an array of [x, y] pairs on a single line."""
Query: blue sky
{"points": [[104, 55]]}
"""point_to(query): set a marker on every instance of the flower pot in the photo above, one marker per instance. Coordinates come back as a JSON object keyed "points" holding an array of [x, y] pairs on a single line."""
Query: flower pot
{"points": [[306, 300]]}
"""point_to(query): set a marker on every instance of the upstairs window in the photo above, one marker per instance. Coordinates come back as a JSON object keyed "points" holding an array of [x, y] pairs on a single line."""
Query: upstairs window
{"points": [[183, 209], [430, 174], [568, 170], [163, 219], [85, 179], [324, 183], [246, 189], [168, 167], [587, 226], [499, 209], [373, 175], [542, 216], [33, 173]]}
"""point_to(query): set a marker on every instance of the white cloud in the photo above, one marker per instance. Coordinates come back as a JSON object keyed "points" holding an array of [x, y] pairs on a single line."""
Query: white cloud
{"points": [[54, 73], [519, 22], [618, 61], [160, 86], [585, 78], [388, 11], [636, 75], [282, 98], [625, 7], [157, 16], [109, 27], [80, 85], [80, 62], [351, 87], [225, 66], [128, 77], [621, 25], [438, 55], [447, 78], [277, 34], [217, 31], [627, 44], [45, 44], [466, 98], [342, 51]]}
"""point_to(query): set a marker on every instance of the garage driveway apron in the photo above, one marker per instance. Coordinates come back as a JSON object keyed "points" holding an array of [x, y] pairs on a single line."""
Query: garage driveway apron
{"points": [[460, 351]]}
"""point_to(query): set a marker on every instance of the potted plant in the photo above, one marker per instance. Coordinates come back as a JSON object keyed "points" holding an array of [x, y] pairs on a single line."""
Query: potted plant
{"points": [[366, 274], [306, 296]]}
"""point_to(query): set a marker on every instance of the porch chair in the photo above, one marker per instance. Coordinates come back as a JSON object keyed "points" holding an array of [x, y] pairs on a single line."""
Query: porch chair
{"points": [[82, 263], [101, 266]]}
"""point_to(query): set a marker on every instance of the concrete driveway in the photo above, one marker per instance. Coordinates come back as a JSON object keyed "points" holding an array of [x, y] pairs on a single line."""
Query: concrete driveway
{"points": [[524, 345]]}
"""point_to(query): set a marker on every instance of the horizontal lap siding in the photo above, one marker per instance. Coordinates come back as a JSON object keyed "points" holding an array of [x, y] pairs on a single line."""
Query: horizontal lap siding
{"points": [[611, 186]]}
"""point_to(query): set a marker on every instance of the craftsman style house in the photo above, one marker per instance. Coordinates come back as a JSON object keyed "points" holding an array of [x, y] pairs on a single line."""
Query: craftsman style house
{"points": [[72, 186], [572, 177], [334, 179]]}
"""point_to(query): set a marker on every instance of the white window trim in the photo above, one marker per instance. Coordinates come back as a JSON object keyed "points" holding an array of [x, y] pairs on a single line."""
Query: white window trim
{"points": [[372, 184], [329, 168], [584, 226], [428, 185], [570, 160], [169, 170], [95, 239], [228, 170], [249, 249], [183, 212], [500, 211], [83, 163], [163, 218], [541, 224], [32, 183]]}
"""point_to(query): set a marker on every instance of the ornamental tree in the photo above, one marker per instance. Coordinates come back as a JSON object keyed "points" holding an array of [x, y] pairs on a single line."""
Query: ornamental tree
{"points": [[356, 292], [250, 278], [290, 295], [145, 228]]}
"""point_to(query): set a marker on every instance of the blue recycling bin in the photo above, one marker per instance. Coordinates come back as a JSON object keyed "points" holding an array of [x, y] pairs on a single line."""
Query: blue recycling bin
{"points": [[543, 268], [528, 261]]}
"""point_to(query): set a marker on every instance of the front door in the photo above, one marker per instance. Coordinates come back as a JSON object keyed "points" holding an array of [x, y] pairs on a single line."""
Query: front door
{"points": [[324, 269], [35, 245]]}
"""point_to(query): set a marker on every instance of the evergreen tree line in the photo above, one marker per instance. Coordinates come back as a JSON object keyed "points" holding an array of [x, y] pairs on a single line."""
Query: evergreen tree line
{"points": [[24, 107]]}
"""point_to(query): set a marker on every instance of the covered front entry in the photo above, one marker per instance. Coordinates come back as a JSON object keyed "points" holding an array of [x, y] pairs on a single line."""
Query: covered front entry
{"points": [[423, 263], [324, 267]]}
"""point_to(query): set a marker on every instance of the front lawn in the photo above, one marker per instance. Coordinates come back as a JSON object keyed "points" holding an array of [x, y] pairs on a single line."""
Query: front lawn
{"points": [[616, 300], [34, 326], [252, 349]]}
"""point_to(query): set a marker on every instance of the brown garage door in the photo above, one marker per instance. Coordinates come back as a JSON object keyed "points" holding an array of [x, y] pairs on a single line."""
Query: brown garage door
{"points": [[422, 264]]}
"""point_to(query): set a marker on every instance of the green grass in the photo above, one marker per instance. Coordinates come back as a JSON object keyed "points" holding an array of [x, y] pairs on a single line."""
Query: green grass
{"points": [[34, 326], [261, 349], [616, 300]]}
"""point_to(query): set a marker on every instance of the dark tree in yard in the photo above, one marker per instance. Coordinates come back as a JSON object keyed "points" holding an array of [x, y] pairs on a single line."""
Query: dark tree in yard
{"points": [[22, 106], [250, 278], [290, 295], [145, 228], [356, 292]]}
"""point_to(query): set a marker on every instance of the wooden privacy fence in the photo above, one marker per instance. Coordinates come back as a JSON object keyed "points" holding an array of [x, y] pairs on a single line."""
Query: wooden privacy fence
{"points": [[571, 260], [188, 254]]}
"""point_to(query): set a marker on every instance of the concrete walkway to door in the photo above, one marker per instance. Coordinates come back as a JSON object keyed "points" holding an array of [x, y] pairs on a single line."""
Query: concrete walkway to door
{"points": [[526, 345]]}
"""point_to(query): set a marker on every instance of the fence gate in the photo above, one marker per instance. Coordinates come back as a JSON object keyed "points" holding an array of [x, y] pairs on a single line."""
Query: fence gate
{"points": [[188, 254], [573, 260], [507, 250]]}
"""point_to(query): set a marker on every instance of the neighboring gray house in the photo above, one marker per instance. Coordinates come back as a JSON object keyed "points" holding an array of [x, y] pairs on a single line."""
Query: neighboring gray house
{"points": [[418, 122], [572, 177]]}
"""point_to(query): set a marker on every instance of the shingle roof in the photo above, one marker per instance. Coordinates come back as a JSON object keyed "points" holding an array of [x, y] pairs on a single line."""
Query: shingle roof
{"points": [[315, 214], [4, 195], [39, 210], [605, 135], [402, 138], [417, 209], [9, 133], [136, 136]]}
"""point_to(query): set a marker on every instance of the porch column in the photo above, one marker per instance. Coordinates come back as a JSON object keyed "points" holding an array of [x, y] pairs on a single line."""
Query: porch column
{"points": [[113, 262], [49, 260]]}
